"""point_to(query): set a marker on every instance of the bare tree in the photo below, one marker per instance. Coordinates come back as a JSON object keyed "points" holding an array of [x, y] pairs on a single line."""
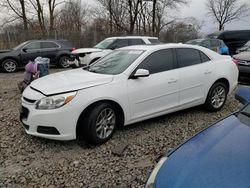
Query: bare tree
{"points": [[18, 7], [39, 12], [224, 11]]}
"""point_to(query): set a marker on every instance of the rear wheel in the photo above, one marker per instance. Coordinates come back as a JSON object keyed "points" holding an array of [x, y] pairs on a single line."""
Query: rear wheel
{"points": [[217, 97], [99, 124], [63, 62], [9, 65]]}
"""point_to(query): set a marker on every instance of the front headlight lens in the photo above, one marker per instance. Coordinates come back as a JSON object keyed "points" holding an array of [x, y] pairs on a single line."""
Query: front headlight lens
{"points": [[151, 179], [55, 101]]}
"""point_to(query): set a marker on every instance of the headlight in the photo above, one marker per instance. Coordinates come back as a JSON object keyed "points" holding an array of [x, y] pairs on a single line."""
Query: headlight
{"points": [[151, 179], [55, 101]]}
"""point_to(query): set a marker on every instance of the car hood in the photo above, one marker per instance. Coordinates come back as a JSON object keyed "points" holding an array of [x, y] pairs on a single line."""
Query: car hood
{"points": [[4, 51], [69, 81], [217, 157], [86, 50], [243, 56]]}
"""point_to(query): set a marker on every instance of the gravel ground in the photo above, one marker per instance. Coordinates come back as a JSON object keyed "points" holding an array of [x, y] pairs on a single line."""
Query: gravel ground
{"points": [[27, 161]]}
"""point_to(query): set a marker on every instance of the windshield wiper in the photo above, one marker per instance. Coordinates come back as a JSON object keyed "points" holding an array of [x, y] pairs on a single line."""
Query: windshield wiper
{"points": [[246, 114]]}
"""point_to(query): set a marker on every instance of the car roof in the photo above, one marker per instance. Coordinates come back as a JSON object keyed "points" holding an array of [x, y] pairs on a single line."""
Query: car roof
{"points": [[132, 37], [150, 47], [154, 47]]}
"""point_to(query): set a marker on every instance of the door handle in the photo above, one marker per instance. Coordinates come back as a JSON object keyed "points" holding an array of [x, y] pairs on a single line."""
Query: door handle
{"points": [[172, 80], [208, 72]]}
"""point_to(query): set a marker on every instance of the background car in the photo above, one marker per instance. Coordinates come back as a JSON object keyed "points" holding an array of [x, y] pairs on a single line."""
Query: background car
{"points": [[213, 44], [243, 61], [58, 51], [234, 39], [128, 85], [89, 55], [245, 47], [218, 156]]}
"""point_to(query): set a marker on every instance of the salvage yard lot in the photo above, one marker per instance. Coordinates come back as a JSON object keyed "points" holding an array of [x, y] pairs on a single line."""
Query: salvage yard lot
{"points": [[27, 161]]}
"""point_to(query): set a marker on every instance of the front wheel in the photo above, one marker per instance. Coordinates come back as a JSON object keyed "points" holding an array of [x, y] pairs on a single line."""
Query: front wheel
{"points": [[99, 124], [217, 97], [63, 62], [9, 65]]}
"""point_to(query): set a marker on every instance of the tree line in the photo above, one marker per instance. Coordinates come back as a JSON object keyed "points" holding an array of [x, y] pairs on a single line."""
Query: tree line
{"points": [[86, 24]]}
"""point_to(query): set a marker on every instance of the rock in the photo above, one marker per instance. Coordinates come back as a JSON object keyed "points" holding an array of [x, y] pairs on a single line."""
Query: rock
{"points": [[119, 149]]}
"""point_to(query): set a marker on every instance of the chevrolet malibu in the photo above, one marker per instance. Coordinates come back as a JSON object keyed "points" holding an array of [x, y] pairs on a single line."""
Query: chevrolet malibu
{"points": [[129, 85], [217, 157]]}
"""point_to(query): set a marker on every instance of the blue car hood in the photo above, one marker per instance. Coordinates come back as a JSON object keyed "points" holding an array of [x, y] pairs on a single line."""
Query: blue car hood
{"points": [[218, 157]]}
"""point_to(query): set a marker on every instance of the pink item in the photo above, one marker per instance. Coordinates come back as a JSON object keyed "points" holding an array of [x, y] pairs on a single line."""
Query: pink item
{"points": [[31, 67]]}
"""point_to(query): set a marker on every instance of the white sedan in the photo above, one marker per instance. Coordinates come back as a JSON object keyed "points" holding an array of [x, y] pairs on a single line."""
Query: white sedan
{"points": [[129, 85]]}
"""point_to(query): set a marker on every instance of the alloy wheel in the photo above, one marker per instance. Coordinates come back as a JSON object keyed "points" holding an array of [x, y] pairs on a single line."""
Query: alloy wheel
{"points": [[105, 123], [10, 66], [218, 97]]}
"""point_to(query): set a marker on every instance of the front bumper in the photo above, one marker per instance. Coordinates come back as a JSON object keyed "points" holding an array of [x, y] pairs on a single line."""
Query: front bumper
{"points": [[56, 124]]}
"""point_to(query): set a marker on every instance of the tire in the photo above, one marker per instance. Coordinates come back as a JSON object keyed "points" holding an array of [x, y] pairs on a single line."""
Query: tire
{"points": [[96, 125], [9, 65], [216, 97], [63, 62]]}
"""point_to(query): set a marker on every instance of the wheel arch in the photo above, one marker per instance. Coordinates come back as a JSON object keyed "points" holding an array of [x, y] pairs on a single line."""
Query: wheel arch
{"points": [[223, 80], [10, 57], [91, 106]]}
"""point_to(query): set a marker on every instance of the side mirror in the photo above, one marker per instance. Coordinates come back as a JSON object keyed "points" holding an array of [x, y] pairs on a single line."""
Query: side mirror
{"points": [[25, 50], [140, 73], [243, 94]]}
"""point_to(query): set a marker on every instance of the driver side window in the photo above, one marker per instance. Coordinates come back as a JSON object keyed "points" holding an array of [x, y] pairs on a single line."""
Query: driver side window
{"points": [[33, 46], [159, 61]]}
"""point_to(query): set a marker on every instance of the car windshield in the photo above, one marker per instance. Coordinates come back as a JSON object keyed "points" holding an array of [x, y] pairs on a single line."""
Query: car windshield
{"points": [[115, 62], [244, 115], [104, 44], [20, 45]]}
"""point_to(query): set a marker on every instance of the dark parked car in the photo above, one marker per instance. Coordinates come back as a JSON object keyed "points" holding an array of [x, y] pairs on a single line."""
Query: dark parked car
{"points": [[213, 44], [243, 61], [243, 48], [217, 157], [58, 51], [234, 39]]}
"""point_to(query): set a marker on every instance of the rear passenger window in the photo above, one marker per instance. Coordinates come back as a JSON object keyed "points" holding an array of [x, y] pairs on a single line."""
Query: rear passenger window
{"points": [[204, 57], [135, 41], [154, 41], [121, 43], [187, 57], [49, 45], [159, 61]]}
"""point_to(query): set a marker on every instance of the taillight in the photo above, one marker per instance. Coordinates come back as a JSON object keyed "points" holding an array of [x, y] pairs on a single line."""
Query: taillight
{"points": [[72, 49], [235, 61]]}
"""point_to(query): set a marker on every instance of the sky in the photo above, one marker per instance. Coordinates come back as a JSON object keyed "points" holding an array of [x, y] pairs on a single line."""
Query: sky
{"points": [[197, 9]]}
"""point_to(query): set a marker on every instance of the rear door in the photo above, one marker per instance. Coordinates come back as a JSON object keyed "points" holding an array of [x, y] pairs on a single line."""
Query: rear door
{"points": [[49, 49], [30, 51], [160, 91], [196, 74]]}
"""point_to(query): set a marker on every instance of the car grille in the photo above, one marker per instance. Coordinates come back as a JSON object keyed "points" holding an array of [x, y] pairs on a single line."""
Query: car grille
{"points": [[244, 63], [24, 113], [29, 100]]}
